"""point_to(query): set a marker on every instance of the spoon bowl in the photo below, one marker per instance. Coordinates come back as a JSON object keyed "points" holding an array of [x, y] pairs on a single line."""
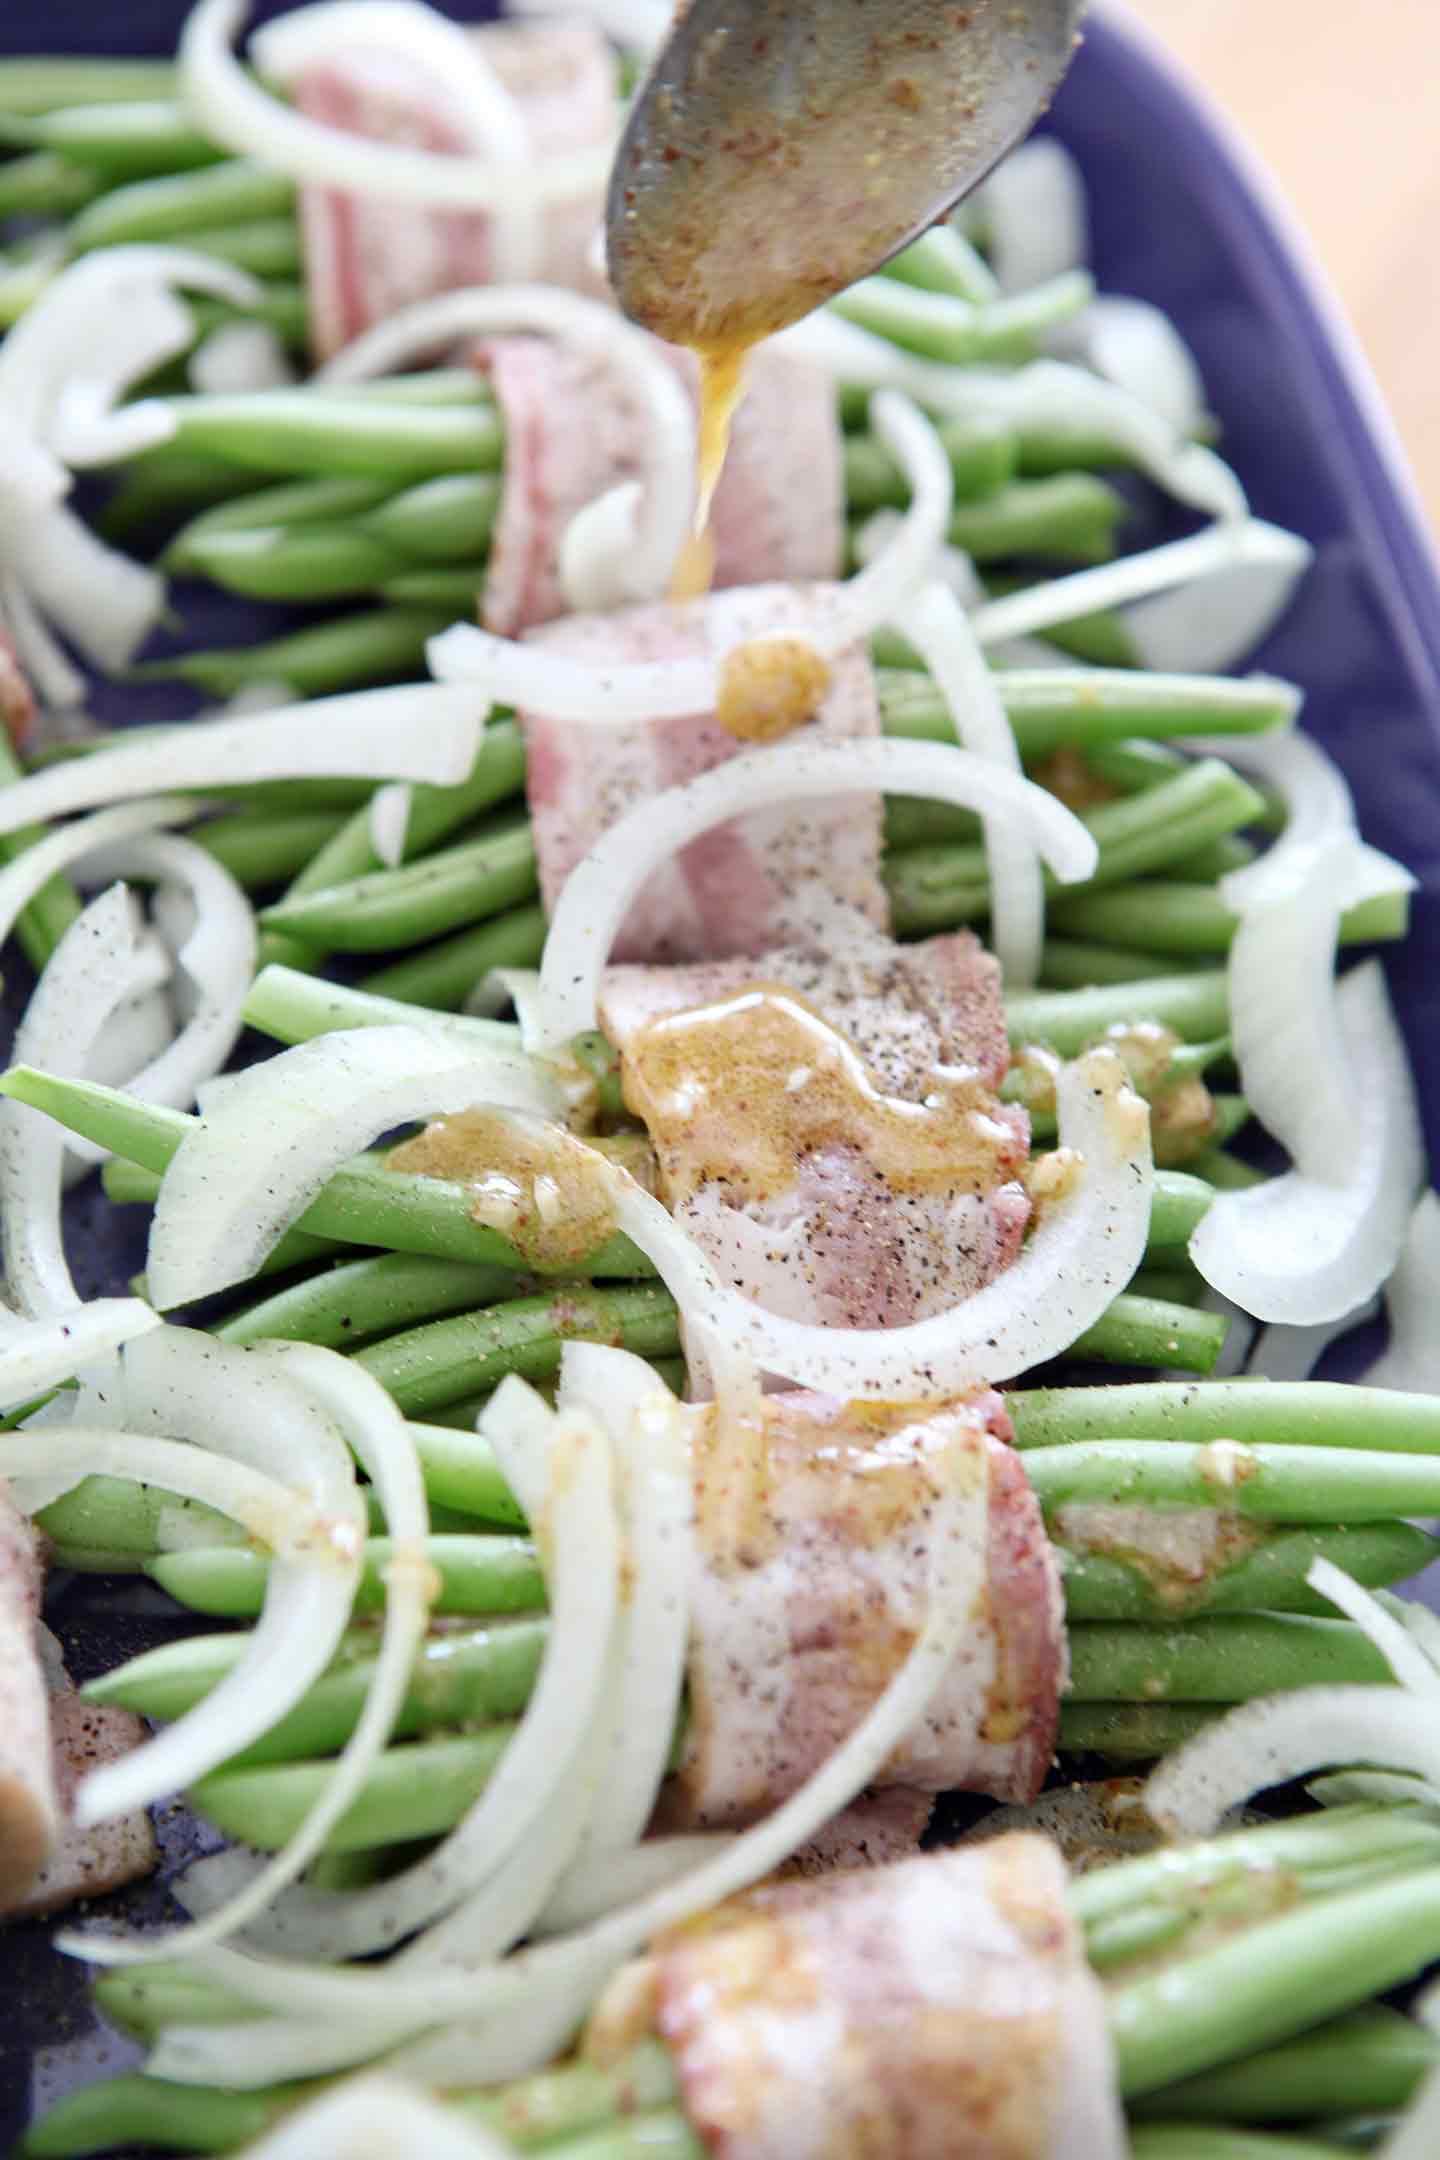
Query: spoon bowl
{"points": [[780, 149]]}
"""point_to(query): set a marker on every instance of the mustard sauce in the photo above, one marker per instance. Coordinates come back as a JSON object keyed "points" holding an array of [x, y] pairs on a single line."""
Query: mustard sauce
{"points": [[544, 1191], [739, 1091]]}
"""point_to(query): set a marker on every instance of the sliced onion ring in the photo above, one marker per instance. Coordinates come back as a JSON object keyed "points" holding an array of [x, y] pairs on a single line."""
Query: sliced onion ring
{"points": [[421, 36], [420, 731], [226, 104], [265, 1147], [598, 893]]}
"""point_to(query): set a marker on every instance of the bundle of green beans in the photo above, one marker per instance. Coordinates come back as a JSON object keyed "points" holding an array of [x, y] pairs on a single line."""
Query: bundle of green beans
{"points": [[1239, 1975], [1154, 1648]]}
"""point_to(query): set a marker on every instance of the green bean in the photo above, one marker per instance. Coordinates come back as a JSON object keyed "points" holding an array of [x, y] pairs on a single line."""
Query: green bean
{"points": [[235, 192], [1132, 1732], [396, 908], [449, 520], [280, 306], [128, 1184], [577, 2096], [43, 185], [456, 590], [377, 645], [1150, 1331], [1168, 915], [417, 1790], [111, 1525], [1174, 1285], [43, 921], [259, 848], [1225, 1171], [1227, 1658], [362, 1204], [1071, 518], [981, 454], [1204, 2141], [1371, 2059], [663, 2135], [293, 1007], [157, 488], [1069, 964], [941, 328], [300, 431], [424, 386], [1110, 1583], [123, 140], [42, 83], [1273, 1980], [1308, 1413], [360, 1299], [1195, 1006], [444, 974], [461, 1416], [476, 1573], [1086, 706], [934, 888], [136, 2110], [435, 812], [428, 1367], [1268, 1482], [292, 503], [462, 1677], [296, 564]]}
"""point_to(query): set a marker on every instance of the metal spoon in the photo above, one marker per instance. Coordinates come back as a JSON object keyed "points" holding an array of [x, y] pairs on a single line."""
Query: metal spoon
{"points": [[780, 149]]}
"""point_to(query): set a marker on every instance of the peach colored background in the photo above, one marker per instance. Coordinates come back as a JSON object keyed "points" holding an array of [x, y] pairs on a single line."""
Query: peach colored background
{"points": [[1342, 104]]}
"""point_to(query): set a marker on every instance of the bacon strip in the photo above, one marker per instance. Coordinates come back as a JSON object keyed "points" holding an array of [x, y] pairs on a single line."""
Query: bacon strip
{"points": [[810, 1591], [754, 882], [366, 257], [17, 702], [573, 431], [833, 1242], [29, 1804], [937, 2010]]}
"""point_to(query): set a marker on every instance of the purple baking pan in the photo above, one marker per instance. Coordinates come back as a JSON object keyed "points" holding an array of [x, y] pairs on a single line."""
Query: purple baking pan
{"points": [[1181, 218]]}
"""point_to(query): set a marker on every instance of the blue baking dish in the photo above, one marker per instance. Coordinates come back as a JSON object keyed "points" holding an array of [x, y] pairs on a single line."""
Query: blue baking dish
{"points": [[1180, 217]]}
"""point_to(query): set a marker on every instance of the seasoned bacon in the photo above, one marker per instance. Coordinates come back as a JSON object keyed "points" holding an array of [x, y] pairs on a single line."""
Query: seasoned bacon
{"points": [[17, 702], [811, 1587], [941, 2009], [825, 1226], [365, 256], [749, 884], [86, 1863], [29, 1805], [573, 431]]}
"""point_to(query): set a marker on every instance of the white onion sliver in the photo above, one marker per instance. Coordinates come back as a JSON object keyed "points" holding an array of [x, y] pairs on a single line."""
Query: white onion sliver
{"points": [[1292, 1353], [95, 966], [239, 356], [379, 2117], [1086, 1248], [390, 822], [1280, 1737], [663, 508], [227, 105], [38, 1354], [216, 962], [377, 1432], [598, 893], [1247, 546], [936, 625], [55, 681], [537, 1997], [582, 1532], [1134, 345], [421, 731], [619, 1878], [1399, 1648], [1312, 1245], [1033, 211], [260, 1154], [874, 595], [105, 604], [471, 90], [270, 1512], [519, 1424], [1411, 1359], [1319, 809], [648, 1431]]}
